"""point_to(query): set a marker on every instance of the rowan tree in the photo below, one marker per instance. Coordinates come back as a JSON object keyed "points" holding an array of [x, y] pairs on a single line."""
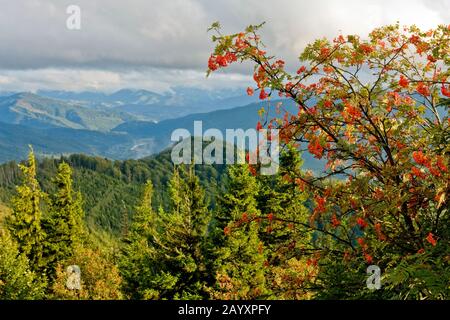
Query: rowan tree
{"points": [[376, 110]]}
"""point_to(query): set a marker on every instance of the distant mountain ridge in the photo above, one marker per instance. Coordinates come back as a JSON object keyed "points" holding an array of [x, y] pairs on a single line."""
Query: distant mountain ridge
{"points": [[135, 139], [132, 139], [56, 126], [14, 141], [64, 122], [151, 106], [34, 111], [99, 111]]}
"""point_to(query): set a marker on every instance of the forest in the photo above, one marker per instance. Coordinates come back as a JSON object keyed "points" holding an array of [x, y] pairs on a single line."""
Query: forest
{"points": [[375, 109]]}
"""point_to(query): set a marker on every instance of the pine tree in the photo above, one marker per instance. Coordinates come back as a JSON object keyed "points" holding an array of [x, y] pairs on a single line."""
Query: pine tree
{"points": [[164, 257], [184, 236], [138, 252], [25, 220], [181, 270], [64, 224], [144, 220], [239, 254], [17, 280]]}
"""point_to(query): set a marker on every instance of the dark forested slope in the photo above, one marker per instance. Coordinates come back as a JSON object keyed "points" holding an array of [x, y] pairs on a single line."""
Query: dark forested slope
{"points": [[111, 189]]}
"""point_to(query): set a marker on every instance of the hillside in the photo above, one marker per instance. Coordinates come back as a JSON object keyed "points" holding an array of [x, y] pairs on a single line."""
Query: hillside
{"points": [[245, 117], [111, 189], [4, 211]]}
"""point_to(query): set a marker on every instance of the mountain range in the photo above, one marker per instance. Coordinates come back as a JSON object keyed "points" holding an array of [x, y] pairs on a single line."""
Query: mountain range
{"points": [[150, 106], [36, 111], [113, 125]]}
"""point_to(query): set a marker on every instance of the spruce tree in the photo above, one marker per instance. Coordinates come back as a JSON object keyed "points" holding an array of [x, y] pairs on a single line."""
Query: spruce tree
{"points": [[138, 252], [239, 257], [64, 224], [282, 198], [17, 280], [164, 255], [25, 220], [181, 271], [290, 251]]}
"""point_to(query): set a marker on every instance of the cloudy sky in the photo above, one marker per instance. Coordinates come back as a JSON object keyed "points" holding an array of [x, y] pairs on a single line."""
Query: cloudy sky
{"points": [[156, 44]]}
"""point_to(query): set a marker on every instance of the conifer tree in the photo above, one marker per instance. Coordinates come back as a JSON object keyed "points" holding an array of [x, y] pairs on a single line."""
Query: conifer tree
{"points": [[282, 199], [25, 220], [181, 271], [64, 225], [283, 202], [239, 254], [137, 252], [164, 255], [17, 280]]}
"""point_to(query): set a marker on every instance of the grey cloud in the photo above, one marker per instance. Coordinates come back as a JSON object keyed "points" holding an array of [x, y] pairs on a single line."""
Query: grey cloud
{"points": [[126, 37], [155, 79], [172, 33]]}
